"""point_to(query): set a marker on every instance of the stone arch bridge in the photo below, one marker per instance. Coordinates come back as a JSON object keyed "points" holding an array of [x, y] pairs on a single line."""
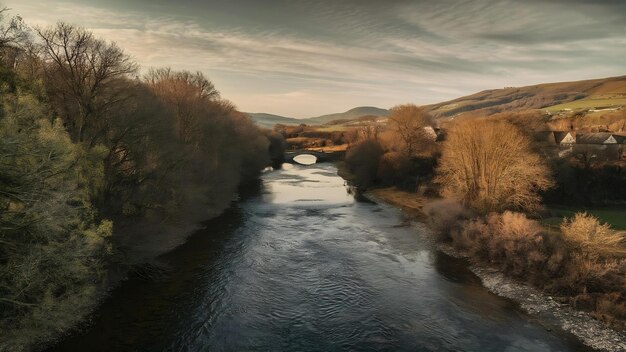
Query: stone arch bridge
{"points": [[320, 155]]}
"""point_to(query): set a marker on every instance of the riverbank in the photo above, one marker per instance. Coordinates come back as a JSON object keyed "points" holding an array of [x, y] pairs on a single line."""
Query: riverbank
{"points": [[591, 331], [140, 258]]}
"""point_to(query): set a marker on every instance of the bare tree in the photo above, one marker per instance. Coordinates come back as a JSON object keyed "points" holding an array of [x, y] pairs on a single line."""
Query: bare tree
{"points": [[407, 122], [83, 76], [489, 166], [191, 95], [13, 32]]}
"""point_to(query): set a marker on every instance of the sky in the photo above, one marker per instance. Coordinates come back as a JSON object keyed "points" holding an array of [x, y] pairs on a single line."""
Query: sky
{"points": [[303, 58]]}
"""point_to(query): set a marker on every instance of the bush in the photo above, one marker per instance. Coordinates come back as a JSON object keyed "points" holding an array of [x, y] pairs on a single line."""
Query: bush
{"points": [[52, 246], [363, 160], [587, 232], [393, 168], [572, 264], [446, 217]]}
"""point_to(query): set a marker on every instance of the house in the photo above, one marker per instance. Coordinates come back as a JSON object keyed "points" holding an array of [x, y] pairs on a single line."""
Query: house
{"points": [[621, 141], [600, 146], [435, 133], [596, 138], [430, 132]]}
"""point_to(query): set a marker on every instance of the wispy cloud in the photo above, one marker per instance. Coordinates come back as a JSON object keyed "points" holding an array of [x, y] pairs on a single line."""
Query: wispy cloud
{"points": [[322, 56]]}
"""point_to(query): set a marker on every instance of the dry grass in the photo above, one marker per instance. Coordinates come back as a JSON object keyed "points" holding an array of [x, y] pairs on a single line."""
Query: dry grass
{"points": [[330, 148], [586, 231], [410, 202]]}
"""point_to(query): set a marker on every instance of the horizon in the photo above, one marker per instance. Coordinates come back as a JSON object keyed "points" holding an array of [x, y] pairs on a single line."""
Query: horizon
{"points": [[311, 58]]}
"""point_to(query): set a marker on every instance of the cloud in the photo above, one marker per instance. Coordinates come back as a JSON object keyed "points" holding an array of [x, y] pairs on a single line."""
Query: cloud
{"points": [[315, 57]]}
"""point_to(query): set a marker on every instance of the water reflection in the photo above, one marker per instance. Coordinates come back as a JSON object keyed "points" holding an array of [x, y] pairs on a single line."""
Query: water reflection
{"points": [[302, 186], [305, 159]]}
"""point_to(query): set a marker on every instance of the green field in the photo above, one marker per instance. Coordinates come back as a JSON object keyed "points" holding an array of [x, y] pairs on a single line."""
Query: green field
{"points": [[589, 103], [616, 217], [332, 128]]}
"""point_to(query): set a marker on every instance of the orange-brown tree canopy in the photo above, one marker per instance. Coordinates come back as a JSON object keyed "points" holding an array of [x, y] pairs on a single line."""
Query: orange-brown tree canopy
{"points": [[489, 166]]}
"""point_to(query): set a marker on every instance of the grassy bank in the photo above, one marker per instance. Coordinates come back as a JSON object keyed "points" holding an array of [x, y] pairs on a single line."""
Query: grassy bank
{"points": [[410, 203], [614, 216]]}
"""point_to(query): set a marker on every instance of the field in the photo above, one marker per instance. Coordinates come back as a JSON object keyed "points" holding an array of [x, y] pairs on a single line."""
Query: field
{"points": [[331, 128], [606, 92], [590, 103], [616, 217]]}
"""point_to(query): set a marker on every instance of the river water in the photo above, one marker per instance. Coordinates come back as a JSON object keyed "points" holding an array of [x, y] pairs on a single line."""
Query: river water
{"points": [[302, 266]]}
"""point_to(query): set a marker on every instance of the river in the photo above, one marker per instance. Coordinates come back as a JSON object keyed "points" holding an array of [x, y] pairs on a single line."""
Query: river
{"points": [[300, 265]]}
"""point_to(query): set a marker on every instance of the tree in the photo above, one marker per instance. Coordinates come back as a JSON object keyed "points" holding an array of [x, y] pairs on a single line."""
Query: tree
{"points": [[51, 245], [142, 154], [190, 94], [407, 123], [489, 166], [13, 35], [363, 160], [12, 32], [84, 78]]}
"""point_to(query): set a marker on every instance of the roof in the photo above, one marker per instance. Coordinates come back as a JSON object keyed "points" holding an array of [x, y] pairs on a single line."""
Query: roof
{"points": [[595, 138], [620, 138], [559, 136]]}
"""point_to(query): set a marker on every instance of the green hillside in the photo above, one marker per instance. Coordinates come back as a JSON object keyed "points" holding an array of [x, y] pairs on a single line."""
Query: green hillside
{"points": [[596, 93]]}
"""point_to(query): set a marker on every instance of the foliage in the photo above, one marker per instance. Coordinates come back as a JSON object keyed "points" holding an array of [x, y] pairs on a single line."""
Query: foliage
{"points": [[576, 184], [51, 243], [586, 231], [363, 159], [13, 30], [579, 265], [489, 166], [83, 77], [406, 150], [407, 123], [85, 145]]}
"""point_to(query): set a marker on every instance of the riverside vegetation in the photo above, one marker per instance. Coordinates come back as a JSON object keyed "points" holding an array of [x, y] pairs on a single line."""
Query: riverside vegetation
{"points": [[481, 191], [98, 166]]}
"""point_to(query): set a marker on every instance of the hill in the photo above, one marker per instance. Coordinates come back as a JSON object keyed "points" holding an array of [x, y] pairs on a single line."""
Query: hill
{"points": [[553, 97], [348, 115], [269, 120]]}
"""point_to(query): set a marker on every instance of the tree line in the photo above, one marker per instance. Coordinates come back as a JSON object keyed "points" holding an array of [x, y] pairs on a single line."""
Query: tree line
{"points": [[97, 161]]}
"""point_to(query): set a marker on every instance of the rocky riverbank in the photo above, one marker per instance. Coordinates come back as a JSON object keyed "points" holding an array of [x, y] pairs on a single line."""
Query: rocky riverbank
{"points": [[592, 332]]}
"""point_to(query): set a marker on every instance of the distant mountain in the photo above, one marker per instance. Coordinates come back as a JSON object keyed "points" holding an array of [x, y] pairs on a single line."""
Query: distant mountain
{"points": [[269, 120], [553, 97], [348, 115]]}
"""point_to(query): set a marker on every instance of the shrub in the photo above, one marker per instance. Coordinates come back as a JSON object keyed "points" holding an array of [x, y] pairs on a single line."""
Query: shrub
{"points": [[363, 160], [445, 217], [52, 244], [393, 167], [566, 264], [587, 232]]}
